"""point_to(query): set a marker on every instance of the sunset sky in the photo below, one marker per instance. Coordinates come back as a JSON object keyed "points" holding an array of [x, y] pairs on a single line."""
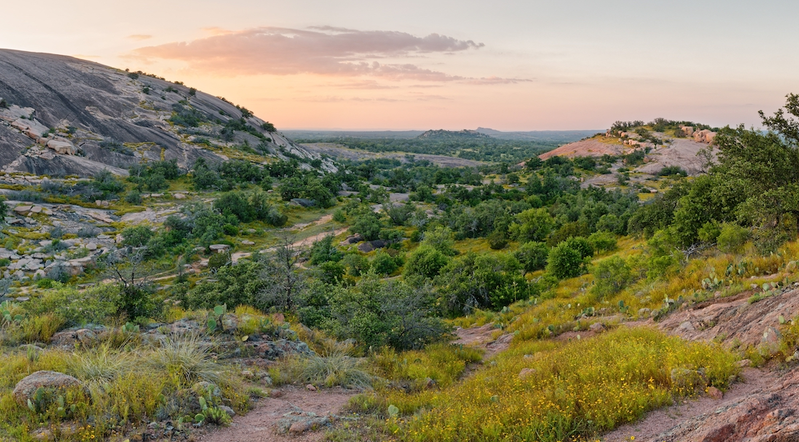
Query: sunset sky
{"points": [[508, 65]]}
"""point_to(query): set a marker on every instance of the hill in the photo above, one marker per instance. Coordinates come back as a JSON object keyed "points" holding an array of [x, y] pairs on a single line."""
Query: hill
{"points": [[65, 116], [441, 134], [552, 136]]}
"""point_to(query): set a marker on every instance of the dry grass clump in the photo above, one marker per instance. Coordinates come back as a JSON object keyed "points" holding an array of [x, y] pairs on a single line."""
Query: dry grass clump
{"points": [[186, 360], [333, 367], [130, 384]]}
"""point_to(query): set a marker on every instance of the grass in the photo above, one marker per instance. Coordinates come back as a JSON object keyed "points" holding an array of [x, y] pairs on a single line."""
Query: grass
{"points": [[546, 391], [130, 384], [336, 369]]}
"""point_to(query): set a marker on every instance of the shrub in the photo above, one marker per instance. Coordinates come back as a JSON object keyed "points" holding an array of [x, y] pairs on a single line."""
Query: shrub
{"points": [[497, 240], [136, 236], [383, 263], [581, 245], [611, 276], [133, 197], [96, 304], [565, 262], [709, 232], [425, 261], [732, 237], [532, 256], [602, 241]]}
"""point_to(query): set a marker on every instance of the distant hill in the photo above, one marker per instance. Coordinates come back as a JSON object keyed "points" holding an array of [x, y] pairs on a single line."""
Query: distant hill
{"points": [[549, 136], [441, 134], [64, 116]]}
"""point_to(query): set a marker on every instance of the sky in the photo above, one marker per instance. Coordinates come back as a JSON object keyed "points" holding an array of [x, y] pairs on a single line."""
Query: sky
{"points": [[440, 64]]}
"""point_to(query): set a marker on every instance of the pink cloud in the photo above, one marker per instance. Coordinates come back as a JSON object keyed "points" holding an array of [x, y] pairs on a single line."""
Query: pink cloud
{"points": [[321, 50], [139, 37]]}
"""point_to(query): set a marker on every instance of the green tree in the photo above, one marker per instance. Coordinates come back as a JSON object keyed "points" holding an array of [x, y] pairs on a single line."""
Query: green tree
{"points": [[136, 236], [532, 256], [481, 281], [425, 261], [324, 251], [532, 225], [392, 313]]}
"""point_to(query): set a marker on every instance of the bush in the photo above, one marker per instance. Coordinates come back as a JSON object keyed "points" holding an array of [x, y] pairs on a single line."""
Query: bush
{"points": [[602, 241], [497, 240], [611, 276], [732, 237], [425, 261], [565, 262], [383, 263], [532, 256], [375, 314], [581, 245], [133, 197], [136, 236], [709, 232]]}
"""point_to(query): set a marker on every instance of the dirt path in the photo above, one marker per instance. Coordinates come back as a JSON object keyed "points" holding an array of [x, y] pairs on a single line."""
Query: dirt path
{"points": [[261, 424], [298, 244], [481, 337]]}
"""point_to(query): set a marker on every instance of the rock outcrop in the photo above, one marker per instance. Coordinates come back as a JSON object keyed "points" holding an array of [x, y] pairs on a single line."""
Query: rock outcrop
{"points": [[64, 116]]}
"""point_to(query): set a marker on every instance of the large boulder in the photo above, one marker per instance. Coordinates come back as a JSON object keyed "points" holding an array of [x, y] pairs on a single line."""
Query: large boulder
{"points": [[50, 381]]}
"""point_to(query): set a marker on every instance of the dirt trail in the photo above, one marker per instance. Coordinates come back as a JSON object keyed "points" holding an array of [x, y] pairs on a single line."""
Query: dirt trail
{"points": [[481, 337], [298, 244], [261, 424]]}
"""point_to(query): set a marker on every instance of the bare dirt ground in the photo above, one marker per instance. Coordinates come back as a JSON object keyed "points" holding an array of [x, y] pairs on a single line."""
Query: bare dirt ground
{"points": [[261, 424], [481, 337], [338, 151]]}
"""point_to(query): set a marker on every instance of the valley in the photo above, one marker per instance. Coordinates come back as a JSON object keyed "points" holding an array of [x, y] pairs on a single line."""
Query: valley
{"points": [[175, 267]]}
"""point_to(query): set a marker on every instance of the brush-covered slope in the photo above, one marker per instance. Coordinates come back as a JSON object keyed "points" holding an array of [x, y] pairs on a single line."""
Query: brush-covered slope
{"points": [[64, 116]]}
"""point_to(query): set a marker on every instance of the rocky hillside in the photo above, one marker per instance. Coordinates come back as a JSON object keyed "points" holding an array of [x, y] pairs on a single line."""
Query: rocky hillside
{"points": [[64, 116]]}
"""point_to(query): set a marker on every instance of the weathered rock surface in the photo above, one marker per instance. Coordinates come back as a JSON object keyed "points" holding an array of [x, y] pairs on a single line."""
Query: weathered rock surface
{"points": [[50, 380], [67, 116]]}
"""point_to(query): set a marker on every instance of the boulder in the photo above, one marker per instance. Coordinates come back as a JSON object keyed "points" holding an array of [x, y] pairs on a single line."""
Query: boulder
{"points": [[365, 247], [219, 248], [22, 209], [62, 147], [48, 380], [74, 338]]}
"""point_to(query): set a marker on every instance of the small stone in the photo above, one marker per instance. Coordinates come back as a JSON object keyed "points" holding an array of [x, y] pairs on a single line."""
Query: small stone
{"points": [[714, 393], [644, 313], [526, 372], [310, 387], [247, 242], [597, 327], [300, 427], [230, 412], [743, 363]]}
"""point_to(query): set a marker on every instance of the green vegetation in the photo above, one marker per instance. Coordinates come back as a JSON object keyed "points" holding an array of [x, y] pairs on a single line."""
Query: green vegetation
{"points": [[427, 248]]}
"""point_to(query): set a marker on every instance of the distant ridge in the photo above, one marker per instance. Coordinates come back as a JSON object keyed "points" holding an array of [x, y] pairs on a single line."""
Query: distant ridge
{"points": [[450, 134]]}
